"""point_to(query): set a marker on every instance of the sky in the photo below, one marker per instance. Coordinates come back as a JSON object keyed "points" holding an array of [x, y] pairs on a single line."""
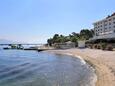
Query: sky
{"points": [[34, 21]]}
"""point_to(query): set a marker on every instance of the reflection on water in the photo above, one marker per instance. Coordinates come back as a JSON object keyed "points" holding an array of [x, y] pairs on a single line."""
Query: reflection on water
{"points": [[30, 68]]}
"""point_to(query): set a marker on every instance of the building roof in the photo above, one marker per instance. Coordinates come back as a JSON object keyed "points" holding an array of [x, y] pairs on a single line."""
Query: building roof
{"points": [[105, 18]]}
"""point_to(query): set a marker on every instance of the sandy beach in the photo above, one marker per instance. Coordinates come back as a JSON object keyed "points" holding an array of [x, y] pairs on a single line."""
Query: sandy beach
{"points": [[102, 61]]}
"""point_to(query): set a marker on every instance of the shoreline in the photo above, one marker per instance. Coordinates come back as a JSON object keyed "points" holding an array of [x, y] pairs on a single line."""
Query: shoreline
{"points": [[85, 62], [105, 76]]}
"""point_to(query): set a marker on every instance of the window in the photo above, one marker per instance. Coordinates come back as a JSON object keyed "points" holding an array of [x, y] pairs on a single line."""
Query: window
{"points": [[105, 24], [96, 34], [109, 23], [105, 21], [114, 18], [109, 19], [96, 24]]}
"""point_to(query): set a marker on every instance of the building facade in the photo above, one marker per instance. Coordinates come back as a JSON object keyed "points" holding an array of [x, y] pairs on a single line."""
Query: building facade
{"points": [[105, 28]]}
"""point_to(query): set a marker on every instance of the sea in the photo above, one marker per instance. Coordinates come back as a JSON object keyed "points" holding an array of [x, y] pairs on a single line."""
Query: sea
{"points": [[32, 68]]}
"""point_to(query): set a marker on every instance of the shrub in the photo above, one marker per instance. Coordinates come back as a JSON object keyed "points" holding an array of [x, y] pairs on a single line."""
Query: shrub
{"points": [[103, 46], [91, 46], [95, 46], [109, 47], [99, 46]]}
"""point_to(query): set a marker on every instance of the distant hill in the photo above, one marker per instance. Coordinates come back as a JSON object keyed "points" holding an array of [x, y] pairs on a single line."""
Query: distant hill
{"points": [[4, 41]]}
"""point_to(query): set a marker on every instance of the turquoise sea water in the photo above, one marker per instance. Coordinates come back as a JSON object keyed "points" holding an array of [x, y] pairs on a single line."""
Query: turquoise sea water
{"points": [[30, 68]]}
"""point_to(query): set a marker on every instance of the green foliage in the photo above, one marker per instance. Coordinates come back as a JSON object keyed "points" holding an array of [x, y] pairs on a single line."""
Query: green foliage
{"points": [[84, 34], [50, 41], [99, 46], [57, 39], [103, 45]]}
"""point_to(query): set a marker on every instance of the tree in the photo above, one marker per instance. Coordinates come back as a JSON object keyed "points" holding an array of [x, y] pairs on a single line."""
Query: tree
{"points": [[56, 38], [50, 41], [74, 37], [86, 34], [75, 34]]}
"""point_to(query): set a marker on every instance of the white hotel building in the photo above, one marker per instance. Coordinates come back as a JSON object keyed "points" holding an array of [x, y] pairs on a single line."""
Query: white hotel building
{"points": [[105, 29]]}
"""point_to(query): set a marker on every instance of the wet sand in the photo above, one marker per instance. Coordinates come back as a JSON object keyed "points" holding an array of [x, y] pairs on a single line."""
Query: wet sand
{"points": [[102, 61]]}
